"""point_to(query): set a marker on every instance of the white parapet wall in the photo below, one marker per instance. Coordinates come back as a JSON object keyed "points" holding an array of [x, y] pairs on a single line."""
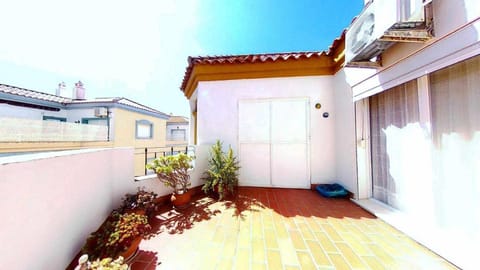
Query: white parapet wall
{"points": [[52, 201], [200, 165], [31, 130]]}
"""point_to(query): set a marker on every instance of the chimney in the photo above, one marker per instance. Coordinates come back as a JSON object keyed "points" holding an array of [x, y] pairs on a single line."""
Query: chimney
{"points": [[62, 90], [79, 91]]}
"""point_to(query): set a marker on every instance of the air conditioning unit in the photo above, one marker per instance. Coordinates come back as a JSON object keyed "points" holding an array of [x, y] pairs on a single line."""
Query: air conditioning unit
{"points": [[101, 112], [381, 24]]}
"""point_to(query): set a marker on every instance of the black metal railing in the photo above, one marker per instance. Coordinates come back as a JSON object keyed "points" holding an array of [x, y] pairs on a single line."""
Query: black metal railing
{"points": [[150, 153]]}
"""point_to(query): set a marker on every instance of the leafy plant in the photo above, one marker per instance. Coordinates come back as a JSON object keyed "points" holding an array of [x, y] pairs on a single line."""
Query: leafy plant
{"points": [[172, 171], [222, 173], [104, 264], [142, 200], [116, 235]]}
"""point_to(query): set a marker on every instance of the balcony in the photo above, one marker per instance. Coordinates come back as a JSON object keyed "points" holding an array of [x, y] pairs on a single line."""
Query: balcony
{"points": [[52, 201], [264, 228], [29, 135]]}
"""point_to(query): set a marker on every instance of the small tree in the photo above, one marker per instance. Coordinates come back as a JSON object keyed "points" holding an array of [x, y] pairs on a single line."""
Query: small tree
{"points": [[172, 171], [222, 172]]}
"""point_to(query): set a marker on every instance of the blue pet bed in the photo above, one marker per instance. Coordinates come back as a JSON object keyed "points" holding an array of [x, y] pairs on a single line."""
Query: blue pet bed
{"points": [[332, 190]]}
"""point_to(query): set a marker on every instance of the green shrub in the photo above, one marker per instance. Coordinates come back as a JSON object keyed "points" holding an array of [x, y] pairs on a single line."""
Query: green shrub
{"points": [[172, 171], [222, 171]]}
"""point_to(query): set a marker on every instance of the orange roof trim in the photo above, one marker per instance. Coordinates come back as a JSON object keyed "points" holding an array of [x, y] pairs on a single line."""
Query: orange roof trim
{"points": [[313, 63]]}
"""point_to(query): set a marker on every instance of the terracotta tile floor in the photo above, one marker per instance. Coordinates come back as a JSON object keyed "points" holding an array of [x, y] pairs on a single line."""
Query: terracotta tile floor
{"points": [[278, 229]]}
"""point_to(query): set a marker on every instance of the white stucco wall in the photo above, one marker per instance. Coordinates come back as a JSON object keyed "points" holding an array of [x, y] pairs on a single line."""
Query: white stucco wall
{"points": [[457, 37], [77, 114], [345, 162], [7, 110], [217, 115], [74, 115], [449, 15], [52, 201]]}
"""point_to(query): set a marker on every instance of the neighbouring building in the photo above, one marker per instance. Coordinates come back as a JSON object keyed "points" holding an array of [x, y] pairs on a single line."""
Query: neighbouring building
{"points": [[36, 121], [390, 111], [177, 130]]}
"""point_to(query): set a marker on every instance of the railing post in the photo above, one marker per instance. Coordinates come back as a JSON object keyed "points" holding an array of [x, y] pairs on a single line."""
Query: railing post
{"points": [[171, 150], [186, 150], [146, 154]]}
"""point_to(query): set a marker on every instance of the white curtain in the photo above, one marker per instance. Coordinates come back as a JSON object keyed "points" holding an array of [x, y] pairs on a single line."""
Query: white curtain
{"points": [[391, 115], [426, 156], [455, 107]]}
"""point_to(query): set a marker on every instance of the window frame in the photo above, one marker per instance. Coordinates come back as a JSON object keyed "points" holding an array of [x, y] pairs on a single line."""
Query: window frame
{"points": [[60, 119], [143, 122], [86, 119]]}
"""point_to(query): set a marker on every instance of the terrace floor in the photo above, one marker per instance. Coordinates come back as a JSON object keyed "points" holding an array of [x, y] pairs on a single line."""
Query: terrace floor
{"points": [[278, 229]]}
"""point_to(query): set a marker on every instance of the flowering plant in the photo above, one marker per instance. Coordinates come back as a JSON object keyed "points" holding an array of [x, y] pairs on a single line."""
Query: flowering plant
{"points": [[143, 200], [116, 235], [104, 264]]}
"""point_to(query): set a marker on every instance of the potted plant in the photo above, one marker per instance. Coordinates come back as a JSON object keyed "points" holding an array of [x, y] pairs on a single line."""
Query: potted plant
{"points": [[222, 173], [104, 264], [120, 235], [142, 202], [172, 171]]}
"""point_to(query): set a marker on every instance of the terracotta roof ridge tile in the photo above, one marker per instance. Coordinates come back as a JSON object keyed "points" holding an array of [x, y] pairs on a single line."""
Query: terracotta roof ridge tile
{"points": [[247, 58], [257, 58], [252, 58]]}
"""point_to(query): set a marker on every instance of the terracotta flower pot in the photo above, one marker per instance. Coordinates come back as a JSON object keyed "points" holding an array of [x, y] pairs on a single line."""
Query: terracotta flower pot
{"points": [[138, 211], [181, 201], [132, 249]]}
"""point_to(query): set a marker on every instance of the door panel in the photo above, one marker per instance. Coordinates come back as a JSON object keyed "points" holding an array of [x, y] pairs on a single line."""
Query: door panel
{"points": [[254, 121], [255, 164], [273, 142], [289, 166], [289, 121]]}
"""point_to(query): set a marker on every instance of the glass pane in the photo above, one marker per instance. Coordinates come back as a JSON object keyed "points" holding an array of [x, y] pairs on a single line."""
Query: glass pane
{"points": [[143, 131], [394, 116]]}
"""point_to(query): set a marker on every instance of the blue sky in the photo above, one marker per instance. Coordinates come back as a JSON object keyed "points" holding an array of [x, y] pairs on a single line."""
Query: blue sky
{"points": [[139, 49]]}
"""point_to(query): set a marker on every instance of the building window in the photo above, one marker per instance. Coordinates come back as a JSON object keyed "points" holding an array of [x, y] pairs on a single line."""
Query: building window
{"points": [[54, 118], [455, 111], [394, 123], [143, 129], [178, 134], [95, 121]]}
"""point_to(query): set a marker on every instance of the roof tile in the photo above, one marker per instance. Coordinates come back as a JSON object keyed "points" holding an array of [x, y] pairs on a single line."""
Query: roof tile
{"points": [[256, 58], [13, 90]]}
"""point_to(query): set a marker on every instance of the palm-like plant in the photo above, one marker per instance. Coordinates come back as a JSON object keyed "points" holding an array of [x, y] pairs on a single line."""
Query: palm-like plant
{"points": [[222, 173]]}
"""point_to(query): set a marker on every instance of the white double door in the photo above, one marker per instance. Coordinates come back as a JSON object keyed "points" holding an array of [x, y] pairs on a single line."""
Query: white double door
{"points": [[274, 143]]}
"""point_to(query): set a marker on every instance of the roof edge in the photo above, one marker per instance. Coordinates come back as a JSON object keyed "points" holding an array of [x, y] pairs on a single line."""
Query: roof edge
{"points": [[335, 51]]}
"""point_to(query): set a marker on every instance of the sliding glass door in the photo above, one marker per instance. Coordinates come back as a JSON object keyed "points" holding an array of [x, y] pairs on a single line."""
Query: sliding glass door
{"points": [[394, 116]]}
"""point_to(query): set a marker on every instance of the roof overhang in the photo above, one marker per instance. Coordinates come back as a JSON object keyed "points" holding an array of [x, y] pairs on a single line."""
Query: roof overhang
{"points": [[236, 67], [113, 104], [31, 102]]}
